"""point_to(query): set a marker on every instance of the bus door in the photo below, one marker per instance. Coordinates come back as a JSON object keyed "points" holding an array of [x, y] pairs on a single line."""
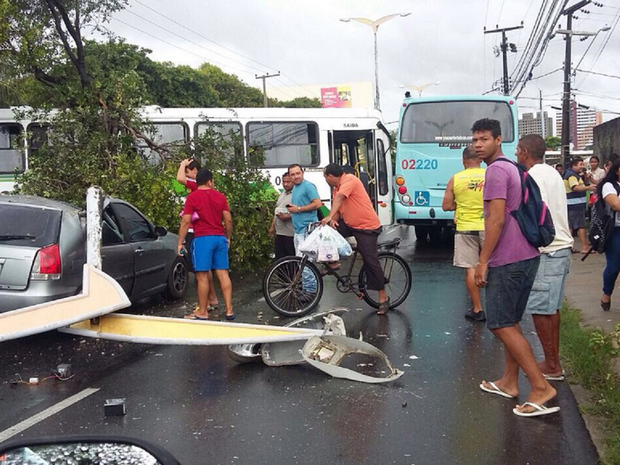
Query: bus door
{"points": [[383, 175], [354, 151]]}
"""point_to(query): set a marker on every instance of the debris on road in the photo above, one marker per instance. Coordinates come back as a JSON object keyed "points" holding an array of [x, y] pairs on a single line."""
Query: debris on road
{"points": [[331, 354]]}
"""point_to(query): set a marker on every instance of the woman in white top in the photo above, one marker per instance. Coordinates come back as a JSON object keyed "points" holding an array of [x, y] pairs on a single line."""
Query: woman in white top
{"points": [[608, 190]]}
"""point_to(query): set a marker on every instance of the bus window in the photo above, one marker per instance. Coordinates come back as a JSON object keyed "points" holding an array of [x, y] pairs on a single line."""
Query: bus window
{"points": [[37, 137], [167, 134], [382, 164], [285, 143], [226, 134], [451, 121], [11, 148], [228, 131]]}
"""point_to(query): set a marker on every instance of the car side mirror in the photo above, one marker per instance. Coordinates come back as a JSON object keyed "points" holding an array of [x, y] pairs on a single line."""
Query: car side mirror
{"points": [[160, 231], [85, 450]]}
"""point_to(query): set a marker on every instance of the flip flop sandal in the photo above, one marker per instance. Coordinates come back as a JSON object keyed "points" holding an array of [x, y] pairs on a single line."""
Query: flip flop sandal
{"points": [[194, 317], [495, 390], [231, 317], [539, 410], [606, 305]]}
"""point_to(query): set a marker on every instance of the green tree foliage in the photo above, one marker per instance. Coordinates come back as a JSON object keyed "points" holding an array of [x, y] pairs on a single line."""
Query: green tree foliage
{"points": [[299, 102], [553, 142]]}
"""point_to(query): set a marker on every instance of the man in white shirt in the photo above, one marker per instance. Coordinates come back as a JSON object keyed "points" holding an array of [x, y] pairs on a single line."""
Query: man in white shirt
{"points": [[548, 290]]}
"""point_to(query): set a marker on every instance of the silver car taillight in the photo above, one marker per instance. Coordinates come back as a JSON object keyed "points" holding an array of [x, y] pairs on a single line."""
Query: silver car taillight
{"points": [[47, 265]]}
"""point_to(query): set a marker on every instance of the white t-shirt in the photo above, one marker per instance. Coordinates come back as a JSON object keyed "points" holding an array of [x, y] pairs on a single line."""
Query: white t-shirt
{"points": [[608, 189], [598, 174], [553, 194]]}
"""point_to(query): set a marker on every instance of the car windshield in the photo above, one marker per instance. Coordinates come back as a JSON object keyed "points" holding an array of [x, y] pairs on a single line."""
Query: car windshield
{"points": [[29, 226]]}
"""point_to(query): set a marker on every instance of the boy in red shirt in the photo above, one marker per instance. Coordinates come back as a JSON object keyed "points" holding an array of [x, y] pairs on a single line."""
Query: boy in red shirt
{"points": [[212, 233]]}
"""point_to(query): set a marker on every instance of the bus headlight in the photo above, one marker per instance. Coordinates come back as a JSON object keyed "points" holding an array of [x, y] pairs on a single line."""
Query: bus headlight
{"points": [[405, 199]]}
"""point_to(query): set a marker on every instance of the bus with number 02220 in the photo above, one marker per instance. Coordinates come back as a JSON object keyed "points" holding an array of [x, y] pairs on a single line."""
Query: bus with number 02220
{"points": [[433, 131]]}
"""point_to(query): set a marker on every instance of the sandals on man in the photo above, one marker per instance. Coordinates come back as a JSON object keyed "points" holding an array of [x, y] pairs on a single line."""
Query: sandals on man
{"points": [[384, 307], [605, 305]]}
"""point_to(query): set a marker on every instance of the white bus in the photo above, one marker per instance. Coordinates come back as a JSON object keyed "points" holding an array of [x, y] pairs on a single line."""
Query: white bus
{"points": [[311, 137]]}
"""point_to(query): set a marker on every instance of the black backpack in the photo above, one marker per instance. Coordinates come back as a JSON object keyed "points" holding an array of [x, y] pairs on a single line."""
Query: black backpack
{"points": [[601, 226], [532, 215]]}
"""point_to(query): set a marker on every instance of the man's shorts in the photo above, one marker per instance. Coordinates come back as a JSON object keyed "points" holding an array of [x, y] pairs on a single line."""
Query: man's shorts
{"points": [[508, 289], [467, 247], [210, 253], [548, 289], [577, 216]]}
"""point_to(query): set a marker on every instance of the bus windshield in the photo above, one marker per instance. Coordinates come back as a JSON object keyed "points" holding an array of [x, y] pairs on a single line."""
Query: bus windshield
{"points": [[451, 121]]}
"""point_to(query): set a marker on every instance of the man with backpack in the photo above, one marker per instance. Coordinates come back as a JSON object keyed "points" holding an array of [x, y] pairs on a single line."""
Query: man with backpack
{"points": [[548, 290], [507, 267]]}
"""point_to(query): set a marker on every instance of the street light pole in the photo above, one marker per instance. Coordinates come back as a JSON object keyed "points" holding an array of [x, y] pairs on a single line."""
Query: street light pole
{"points": [[375, 28], [377, 95]]}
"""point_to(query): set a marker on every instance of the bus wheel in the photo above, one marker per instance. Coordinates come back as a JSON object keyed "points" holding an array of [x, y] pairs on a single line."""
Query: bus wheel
{"points": [[421, 233]]}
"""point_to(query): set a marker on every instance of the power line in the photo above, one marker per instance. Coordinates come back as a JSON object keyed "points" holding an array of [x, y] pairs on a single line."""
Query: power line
{"points": [[210, 60], [191, 41], [226, 48], [201, 35], [598, 74], [500, 11], [208, 50], [616, 19]]}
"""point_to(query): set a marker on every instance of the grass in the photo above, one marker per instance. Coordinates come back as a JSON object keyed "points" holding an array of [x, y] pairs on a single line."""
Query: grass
{"points": [[589, 355]]}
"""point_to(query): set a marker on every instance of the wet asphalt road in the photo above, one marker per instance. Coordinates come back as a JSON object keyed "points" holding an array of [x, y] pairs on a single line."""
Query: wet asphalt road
{"points": [[204, 408]]}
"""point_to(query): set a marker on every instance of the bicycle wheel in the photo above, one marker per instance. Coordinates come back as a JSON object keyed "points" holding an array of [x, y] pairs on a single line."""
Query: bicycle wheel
{"points": [[290, 290], [397, 280]]}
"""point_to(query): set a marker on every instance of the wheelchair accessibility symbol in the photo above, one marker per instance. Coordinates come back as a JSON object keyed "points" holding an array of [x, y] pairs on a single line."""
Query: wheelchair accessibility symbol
{"points": [[422, 198]]}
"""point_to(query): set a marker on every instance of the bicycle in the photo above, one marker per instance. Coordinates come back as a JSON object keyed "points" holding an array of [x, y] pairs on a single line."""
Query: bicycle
{"points": [[285, 293]]}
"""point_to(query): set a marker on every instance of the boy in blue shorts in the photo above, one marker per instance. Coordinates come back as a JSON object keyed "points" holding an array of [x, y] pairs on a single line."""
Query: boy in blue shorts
{"points": [[212, 233]]}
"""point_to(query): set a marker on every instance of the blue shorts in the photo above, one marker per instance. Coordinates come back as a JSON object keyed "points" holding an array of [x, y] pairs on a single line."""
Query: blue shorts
{"points": [[210, 253], [548, 289], [508, 289]]}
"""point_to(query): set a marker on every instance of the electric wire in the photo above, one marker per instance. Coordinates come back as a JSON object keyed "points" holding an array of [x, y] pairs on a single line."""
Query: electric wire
{"points": [[210, 60], [598, 74], [613, 28], [226, 48]]}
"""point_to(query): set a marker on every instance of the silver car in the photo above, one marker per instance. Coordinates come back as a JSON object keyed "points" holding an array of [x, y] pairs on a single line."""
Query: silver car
{"points": [[43, 251]]}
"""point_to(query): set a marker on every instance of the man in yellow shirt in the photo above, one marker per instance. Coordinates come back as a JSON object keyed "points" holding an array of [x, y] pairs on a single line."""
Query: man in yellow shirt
{"points": [[464, 194]]}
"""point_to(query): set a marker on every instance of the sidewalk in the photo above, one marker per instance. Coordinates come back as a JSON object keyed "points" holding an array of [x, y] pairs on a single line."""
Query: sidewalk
{"points": [[583, 291]]}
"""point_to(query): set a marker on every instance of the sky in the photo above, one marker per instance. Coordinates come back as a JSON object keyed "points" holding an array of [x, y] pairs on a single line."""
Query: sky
{"points": [[440, 40]]}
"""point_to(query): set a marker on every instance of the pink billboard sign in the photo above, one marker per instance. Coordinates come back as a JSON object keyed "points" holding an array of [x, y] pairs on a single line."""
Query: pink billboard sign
{"points": [[336, 97]]}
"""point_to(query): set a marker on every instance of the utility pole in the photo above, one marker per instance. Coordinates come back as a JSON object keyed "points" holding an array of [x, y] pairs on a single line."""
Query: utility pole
{"points": [[504, 47], [543, 120], [566, 94], [264, 77]]}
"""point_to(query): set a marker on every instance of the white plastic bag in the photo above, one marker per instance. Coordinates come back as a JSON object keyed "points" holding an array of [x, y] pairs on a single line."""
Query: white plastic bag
{"points": [[343, 246], [310, 245], [328, 251], [325, 244]]}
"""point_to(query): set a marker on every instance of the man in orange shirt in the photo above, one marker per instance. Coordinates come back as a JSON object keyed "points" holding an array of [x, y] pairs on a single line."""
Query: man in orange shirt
{"points": [[352, 214]]}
